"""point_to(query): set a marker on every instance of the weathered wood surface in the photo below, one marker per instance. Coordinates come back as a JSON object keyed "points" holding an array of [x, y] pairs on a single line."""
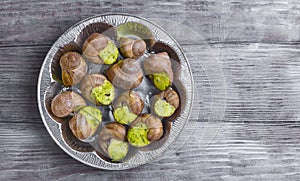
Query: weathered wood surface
{"points": [[240, 151], [257, 44], [34, 22]]}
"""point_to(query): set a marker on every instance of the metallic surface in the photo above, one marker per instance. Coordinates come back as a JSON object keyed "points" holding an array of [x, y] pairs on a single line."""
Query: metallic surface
{"points": [[91, 158]]}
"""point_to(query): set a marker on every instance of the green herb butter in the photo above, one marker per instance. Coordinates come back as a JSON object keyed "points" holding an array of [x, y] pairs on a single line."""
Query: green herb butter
{"points": [[104, 94], [161, 80], [163, 109], [109, 54], [123, 115], [117, 149], [137, 135], [92, 115]]}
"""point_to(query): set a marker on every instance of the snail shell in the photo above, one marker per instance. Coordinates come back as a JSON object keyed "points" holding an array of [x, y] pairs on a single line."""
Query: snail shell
{"points": [[80, 127], [94, 44], [111, 131], [157, 63], [168, 96], [65, 103], [171, 97], [73, 68], [126, 74], [131, 48], [136, 30], [154, 125], [88, 83], [85, 123], [132, 99]]}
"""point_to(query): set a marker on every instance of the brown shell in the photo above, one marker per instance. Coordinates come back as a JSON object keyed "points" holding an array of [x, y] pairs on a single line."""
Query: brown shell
{"points": [[74, 142], [93, 45], [126, 74], [65, 103], [73, 68], [154, 125], [132, 99], [88, 83], [109, 131], [80, 127], [132, 48], [171, 97], [136, 30], [157, 63]]}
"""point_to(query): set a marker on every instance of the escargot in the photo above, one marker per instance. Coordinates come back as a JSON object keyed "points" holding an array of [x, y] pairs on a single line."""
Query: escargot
{"points": [[126, 74], [97, 89], [73, 68], [144, 130], [64, 103], [132, 48], [112, 142], [85, 123], [159, 69], [165, 103], [99, 49], [127, 107]]}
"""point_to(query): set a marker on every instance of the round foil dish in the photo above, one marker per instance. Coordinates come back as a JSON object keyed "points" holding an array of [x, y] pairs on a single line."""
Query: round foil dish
{"points": [[98, 131]]}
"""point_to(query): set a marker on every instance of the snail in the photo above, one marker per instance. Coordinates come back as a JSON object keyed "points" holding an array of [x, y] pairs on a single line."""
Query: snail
{"points": [[159, 69], [97, 89], [132, 48], [127, 107], [73, 68], [99, 49], [85, 123], [165, 103], [64, 103], [144, 130], [112, 141], [126, 74]]}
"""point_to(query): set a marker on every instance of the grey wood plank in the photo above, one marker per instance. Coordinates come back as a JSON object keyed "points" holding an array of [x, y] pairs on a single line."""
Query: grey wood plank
{"points": [[35, 22], [257, 140], [240, 151], [250, 143], [19, 70], [261, 81]]}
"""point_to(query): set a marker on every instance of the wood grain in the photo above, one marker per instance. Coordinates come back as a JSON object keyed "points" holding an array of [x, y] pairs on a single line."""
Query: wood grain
{"points": [[261, 81], [34, 22], [256, 44], [240, 151]]}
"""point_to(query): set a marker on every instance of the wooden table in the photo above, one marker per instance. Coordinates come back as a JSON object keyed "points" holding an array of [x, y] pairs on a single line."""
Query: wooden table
{"points": [[257, 46]]}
